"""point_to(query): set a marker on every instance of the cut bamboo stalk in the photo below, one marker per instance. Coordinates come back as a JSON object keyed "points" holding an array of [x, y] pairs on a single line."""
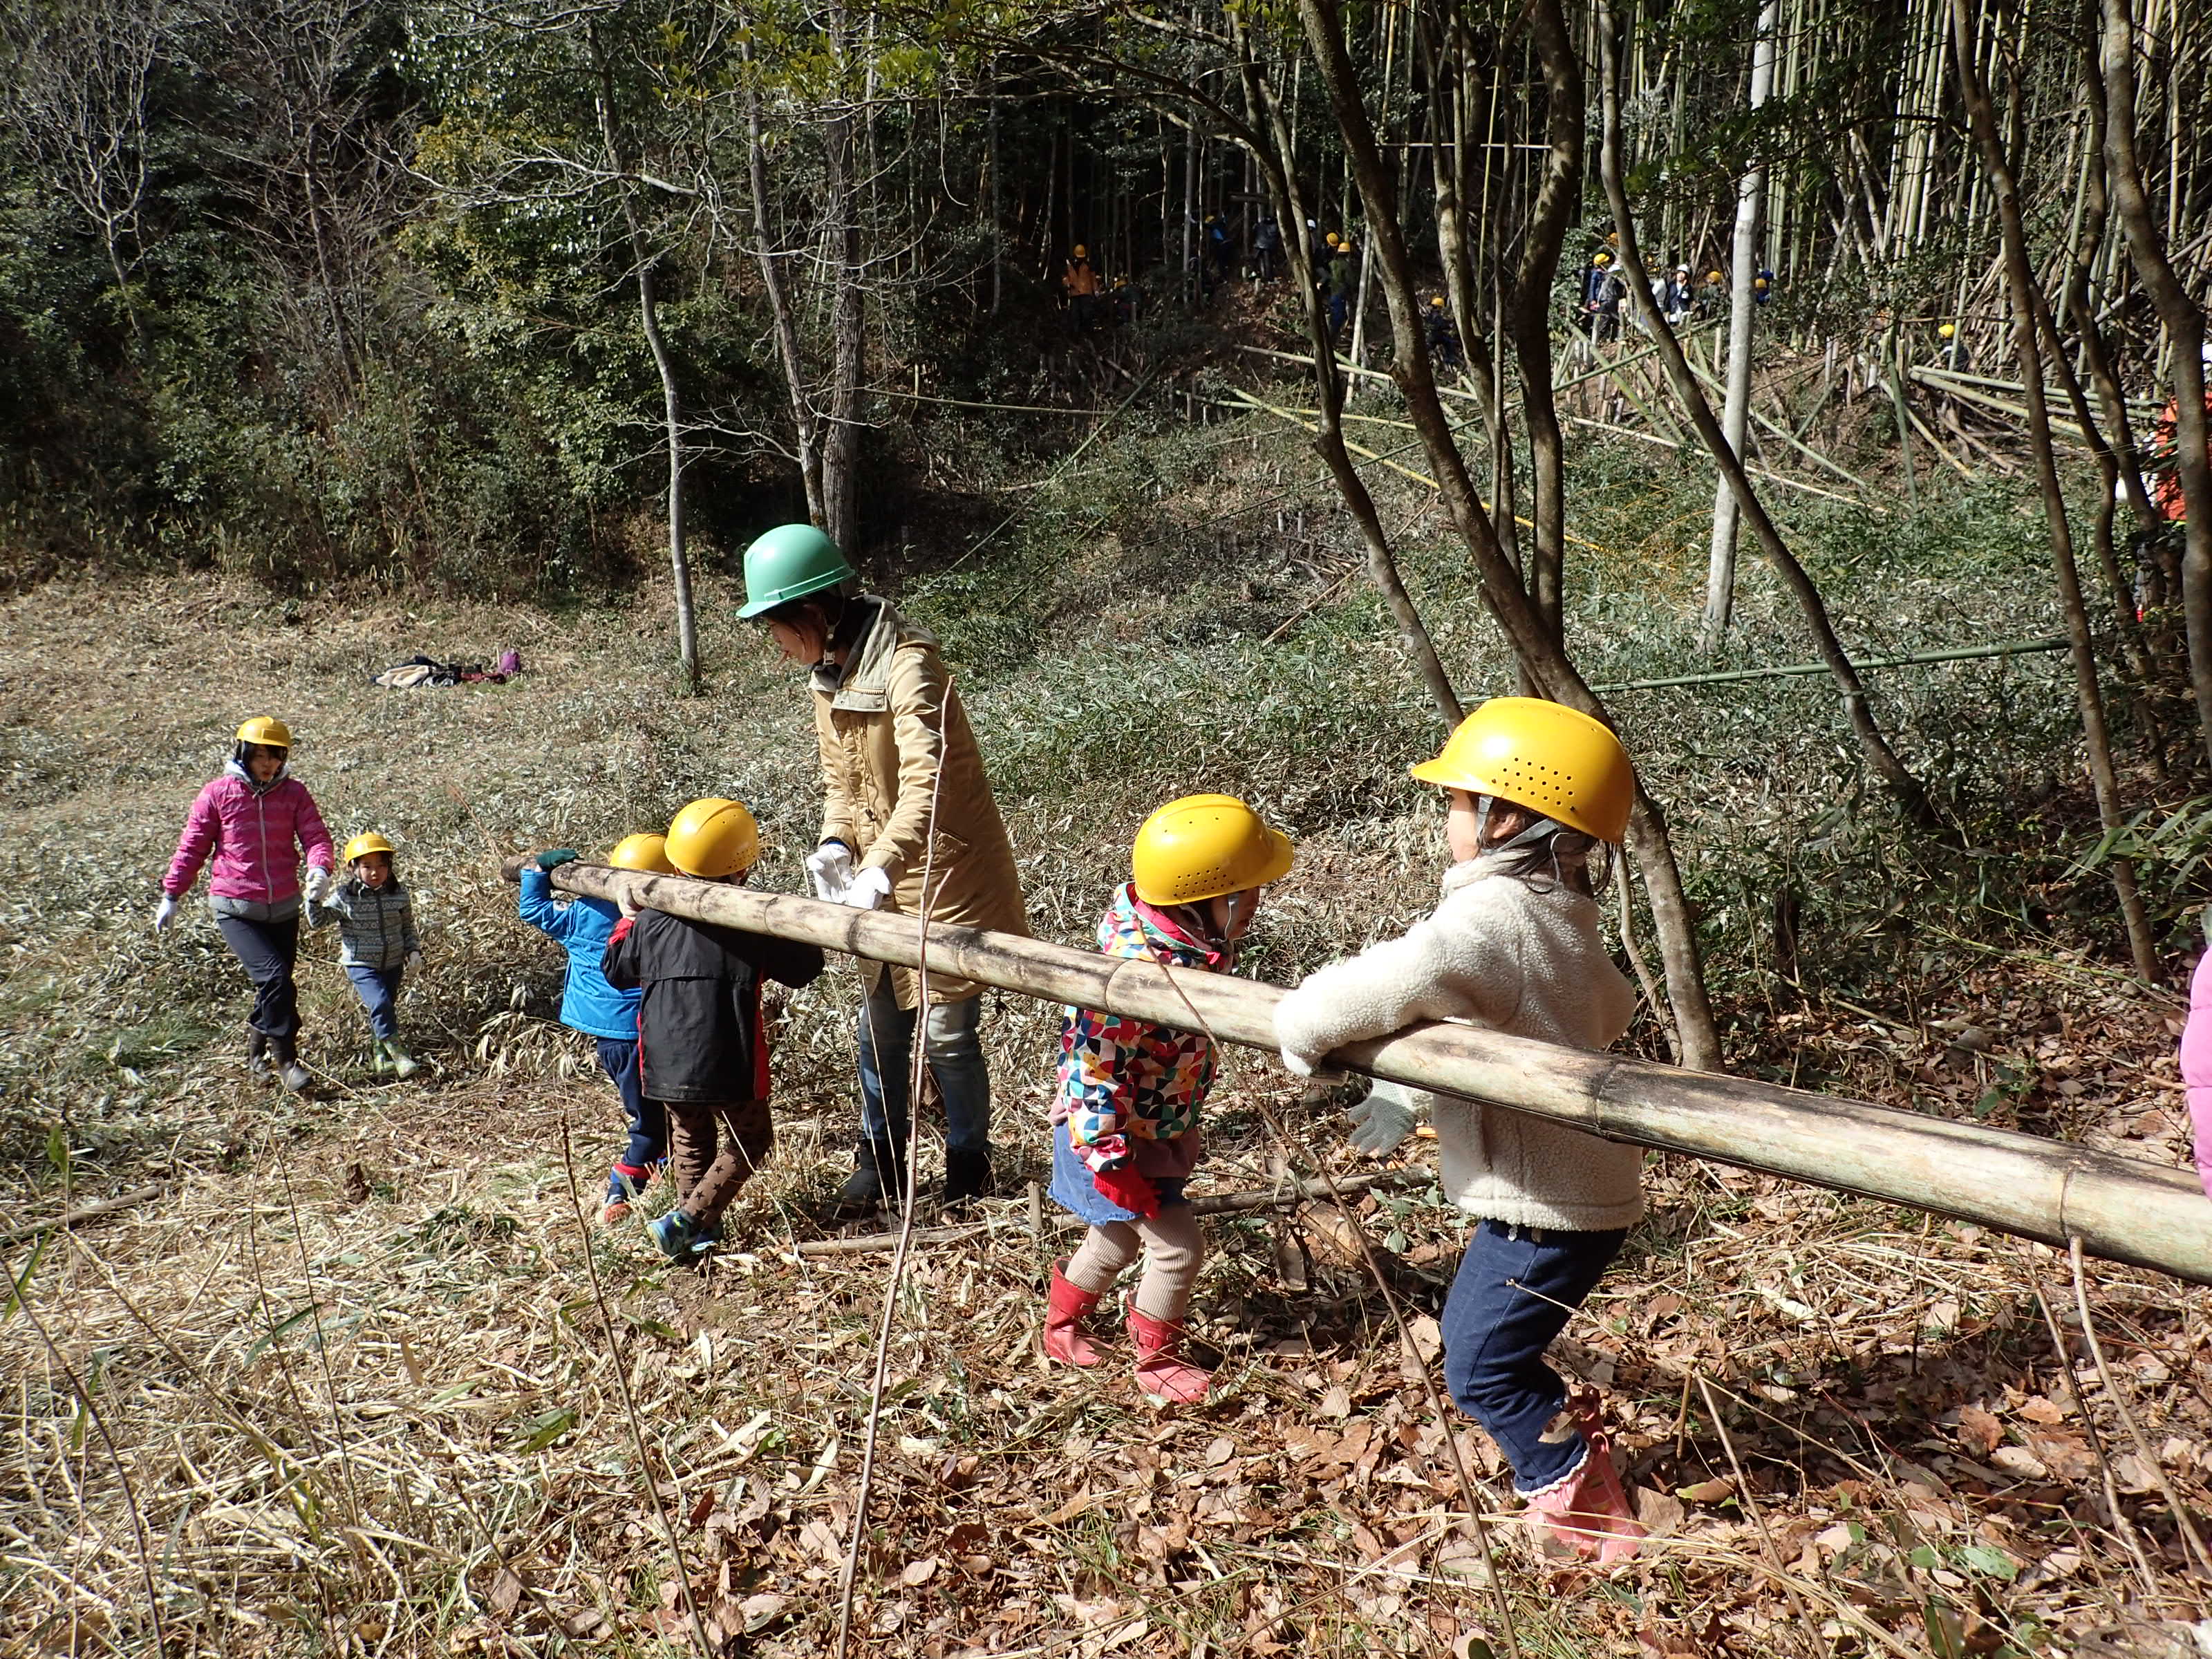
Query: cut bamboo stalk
{"points": [[2122, 1209]]}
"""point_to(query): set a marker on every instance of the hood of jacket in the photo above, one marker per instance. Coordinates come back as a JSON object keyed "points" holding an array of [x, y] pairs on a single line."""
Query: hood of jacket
{"points": [[236, 769]]}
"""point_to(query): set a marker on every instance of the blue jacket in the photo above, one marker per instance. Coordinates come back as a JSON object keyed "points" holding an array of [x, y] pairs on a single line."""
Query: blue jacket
{"points": [[588, 1003]]}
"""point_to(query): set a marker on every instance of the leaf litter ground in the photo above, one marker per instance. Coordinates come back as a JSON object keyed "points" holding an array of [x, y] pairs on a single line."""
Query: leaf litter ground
{"points": [[348, 1365]]}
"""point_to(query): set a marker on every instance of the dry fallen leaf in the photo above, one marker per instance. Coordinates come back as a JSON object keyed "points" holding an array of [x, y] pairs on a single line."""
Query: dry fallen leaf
{"points": [[918, 1573], [1979, 1430], [1706, 1492], [506, 1592]]}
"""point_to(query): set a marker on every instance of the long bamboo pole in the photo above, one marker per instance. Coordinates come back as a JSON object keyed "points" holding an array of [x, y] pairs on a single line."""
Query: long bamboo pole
{"points": [[2122, 1209]]}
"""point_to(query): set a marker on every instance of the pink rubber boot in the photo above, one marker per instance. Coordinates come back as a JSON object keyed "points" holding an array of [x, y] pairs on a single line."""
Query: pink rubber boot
{"points": [[1589, 1512], [1161, 1371], [1064, 1308]]}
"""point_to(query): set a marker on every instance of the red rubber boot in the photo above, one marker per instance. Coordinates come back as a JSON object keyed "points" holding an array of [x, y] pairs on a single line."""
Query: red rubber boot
{"points": [[1066, 1306], [1161, 1371]]}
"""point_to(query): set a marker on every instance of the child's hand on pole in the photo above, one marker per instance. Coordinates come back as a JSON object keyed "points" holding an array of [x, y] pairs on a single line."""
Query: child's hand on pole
{"points": [[1133, 1192]]}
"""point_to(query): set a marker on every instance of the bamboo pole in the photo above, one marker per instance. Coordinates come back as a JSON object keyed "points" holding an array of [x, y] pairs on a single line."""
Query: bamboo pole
{"points": [[2122, 1209]]}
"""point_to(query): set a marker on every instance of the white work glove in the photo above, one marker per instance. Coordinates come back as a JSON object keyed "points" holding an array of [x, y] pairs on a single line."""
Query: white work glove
{"points": [[830, 867], [868, 890], [319, 883], [1381, 1122], [165, 912], [414, 961]]}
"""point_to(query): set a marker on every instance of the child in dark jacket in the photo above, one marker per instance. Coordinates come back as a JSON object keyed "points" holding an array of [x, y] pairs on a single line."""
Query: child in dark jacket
{"points": [[377, 944], [703, 1053], [608, 1017], [1125, 1123]]}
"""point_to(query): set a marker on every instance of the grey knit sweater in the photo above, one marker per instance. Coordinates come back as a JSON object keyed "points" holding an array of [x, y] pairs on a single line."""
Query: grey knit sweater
{"points": [[376, 926]]}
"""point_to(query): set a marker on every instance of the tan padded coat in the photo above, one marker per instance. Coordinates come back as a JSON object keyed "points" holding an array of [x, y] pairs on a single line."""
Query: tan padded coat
{"points": [[886, 728]]}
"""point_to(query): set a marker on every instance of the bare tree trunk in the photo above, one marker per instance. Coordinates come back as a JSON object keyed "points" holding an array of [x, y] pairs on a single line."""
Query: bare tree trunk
{"points": [[644, 259], [1558, 198], [1880, 756], [2185, 327], [1735, 413], [1501, 583], [1328, 386], [840, 444], [805, 428], [2020, 279]]}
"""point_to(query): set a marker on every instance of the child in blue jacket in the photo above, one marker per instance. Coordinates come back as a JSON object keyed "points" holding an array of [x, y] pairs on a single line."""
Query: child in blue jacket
{"points": [[590, 1005]]}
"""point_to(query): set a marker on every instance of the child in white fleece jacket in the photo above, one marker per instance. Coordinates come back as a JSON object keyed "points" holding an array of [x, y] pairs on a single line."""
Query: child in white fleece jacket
{"points": [[1535, 790]]}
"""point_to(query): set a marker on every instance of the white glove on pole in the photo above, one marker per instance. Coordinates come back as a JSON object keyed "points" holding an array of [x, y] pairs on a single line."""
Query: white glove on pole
{"points": [[319, 883], [164, 913], [1381, 1122], [830, 867], [868, 890]]}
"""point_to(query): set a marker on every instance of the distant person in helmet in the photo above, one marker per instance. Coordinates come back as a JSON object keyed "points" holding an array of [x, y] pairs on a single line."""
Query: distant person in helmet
{"points": [[1539, 796], [377, 944], [1080, 281], [897, 755], [1124, 1134], [257, 822], [701, 1044]]}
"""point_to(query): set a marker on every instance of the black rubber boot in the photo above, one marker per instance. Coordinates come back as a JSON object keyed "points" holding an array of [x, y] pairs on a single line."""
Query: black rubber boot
{"points": [[967, 1176], [257, 1055], [878, 1178], [289, 1073]]}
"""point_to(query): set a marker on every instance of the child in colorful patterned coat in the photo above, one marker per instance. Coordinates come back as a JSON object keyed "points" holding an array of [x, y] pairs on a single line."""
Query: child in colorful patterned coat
{"points": [[1125, 1132], [377, 944]]}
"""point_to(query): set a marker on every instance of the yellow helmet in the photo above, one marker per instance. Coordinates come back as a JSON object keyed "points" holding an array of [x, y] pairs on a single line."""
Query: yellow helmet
{"points": [[1204, 846], [712, 838], [1082, 252], [1437, 301], [1601, 257], [1946, 330], [1712, 276], [360, 845], [1334, 239], [269, 733], [1542, 755], [647, 853]]}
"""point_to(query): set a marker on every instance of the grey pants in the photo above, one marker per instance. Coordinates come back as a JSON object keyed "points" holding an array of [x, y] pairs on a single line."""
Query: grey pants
{"points": [[267, 950]]}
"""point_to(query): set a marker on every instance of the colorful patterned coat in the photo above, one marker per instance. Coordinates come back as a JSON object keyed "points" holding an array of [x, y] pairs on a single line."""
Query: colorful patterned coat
{"points": [[1124, 1080]]}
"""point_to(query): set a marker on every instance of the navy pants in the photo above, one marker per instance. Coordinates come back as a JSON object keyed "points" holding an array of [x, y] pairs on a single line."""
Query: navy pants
{"points": [[648, 1118], [378, 991], [1516, 1290], [267, 950]]}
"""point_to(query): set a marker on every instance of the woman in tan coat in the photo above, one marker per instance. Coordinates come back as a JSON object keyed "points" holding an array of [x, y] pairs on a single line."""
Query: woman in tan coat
{"points": [[897, 757]]}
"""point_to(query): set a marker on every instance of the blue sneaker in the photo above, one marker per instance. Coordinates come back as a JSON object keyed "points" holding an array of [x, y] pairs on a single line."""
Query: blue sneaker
{"points": [[676, 1234]]}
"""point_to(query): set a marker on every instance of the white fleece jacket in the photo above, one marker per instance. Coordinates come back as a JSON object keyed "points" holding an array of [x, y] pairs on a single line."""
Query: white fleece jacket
{"points": [[1498, 953]]}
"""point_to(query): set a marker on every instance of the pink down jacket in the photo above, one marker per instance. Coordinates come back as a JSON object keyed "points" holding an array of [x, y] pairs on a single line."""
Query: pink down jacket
{"points": [[2196, 1067], [253, 835]]}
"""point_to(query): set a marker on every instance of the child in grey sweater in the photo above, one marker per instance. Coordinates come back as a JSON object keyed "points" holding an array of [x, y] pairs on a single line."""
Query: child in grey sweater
{"points": [[377, 943]]}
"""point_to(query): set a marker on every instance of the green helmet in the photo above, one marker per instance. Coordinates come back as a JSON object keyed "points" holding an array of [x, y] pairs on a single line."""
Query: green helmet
{"points": [[791, 561]]}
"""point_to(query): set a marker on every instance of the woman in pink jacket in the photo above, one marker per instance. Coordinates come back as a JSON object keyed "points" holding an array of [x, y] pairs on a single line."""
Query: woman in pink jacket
{"points": [[257, 824], [2196, 1066]]}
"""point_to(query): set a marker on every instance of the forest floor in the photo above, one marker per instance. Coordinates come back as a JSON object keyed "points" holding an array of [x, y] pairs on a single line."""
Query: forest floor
{"points": [[357, 1373]]}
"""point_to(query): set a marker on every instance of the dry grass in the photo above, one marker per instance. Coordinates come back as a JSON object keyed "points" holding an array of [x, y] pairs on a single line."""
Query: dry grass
{"points": [[352, 1373]]}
